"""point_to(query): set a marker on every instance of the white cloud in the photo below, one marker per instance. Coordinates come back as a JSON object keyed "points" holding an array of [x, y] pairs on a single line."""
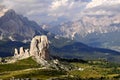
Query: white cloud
{"points": [[97, 12], [102, 7], [52, 10], [2, 12], [68, 9], [34, 9], [96, 3], [58, 3], [3, 9], [42, 10]]}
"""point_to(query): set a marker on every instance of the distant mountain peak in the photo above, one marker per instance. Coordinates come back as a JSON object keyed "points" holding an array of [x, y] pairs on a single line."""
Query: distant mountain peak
{"points": [[11, 11], [18, 27], [10, 14]]}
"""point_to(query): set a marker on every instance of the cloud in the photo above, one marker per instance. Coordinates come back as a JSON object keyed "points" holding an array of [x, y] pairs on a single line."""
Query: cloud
{"points": [[47, 10], [2, 10], [96, 3], [67, 4], [34, 9], [24, 6], [44, 11], [69, 9], [97, 12], [58, 3], [103, 7]]}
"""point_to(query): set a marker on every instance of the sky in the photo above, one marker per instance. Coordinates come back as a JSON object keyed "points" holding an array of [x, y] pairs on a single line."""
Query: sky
{"points": [[46, 11]]}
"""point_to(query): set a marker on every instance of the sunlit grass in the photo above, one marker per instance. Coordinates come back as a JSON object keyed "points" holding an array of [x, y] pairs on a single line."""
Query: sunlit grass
{"points": [[96, 70], [39, 74], [19, 65], [92, 70]]}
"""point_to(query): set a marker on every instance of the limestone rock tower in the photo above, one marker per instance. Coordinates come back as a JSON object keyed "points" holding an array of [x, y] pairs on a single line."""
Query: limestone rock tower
{"points": [[39, 47]]}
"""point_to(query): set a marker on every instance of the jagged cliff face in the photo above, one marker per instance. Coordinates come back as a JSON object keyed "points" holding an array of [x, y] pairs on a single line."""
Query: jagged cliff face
{"points": [[17, 27]]}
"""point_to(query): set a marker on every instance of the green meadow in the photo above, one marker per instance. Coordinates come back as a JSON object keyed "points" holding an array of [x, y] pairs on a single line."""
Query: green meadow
{"points": [[90, 70]]}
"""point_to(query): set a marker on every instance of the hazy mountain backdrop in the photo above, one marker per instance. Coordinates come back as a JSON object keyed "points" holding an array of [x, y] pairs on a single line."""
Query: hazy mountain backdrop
{"points": [[97, 31], [16, 29]]}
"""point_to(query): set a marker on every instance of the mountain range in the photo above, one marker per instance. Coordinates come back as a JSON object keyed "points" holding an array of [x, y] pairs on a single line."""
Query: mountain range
{"points": [[16, 29], [97, 31]]}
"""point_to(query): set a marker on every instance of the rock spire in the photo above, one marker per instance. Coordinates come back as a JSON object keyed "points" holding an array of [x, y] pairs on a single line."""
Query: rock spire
{"points": [[38, 49]]}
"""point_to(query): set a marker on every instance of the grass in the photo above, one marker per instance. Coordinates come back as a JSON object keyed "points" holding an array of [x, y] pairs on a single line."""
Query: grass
{"points": [[28, 61], [44, 74], [33, 73], [88, 72], [92, 70], [96, 69], [19, 65], [27, 68]]}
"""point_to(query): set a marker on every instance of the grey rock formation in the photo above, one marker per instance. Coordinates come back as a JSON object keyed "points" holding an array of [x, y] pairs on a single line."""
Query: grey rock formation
{"points": [[33, 47], [27, 52], [39, 51], [16, 52], [21, 54], [22, 51], [39, 47]]}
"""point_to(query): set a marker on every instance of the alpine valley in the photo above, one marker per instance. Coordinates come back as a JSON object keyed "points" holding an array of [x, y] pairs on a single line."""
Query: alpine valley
{"points": [[16, 31], [30, 51], [59, 39]]}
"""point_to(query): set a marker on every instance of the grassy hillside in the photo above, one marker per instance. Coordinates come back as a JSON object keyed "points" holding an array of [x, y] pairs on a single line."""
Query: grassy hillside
{"points": [[19, 65], [96, 70], [83, 70]]}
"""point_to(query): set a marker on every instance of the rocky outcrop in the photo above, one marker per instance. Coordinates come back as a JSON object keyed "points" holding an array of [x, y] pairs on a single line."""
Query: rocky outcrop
{"points": [[39, 47], [16, 52], [39, 51], [22, 51], [18, 55]]}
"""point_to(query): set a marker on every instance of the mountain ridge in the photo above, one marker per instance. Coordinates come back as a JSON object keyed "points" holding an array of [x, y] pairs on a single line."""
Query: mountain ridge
{"points": [[91, 30], [16, 27]]}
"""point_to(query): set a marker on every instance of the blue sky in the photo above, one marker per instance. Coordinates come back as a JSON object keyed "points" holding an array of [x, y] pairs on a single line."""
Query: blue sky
{"points": [[45, 11]]}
